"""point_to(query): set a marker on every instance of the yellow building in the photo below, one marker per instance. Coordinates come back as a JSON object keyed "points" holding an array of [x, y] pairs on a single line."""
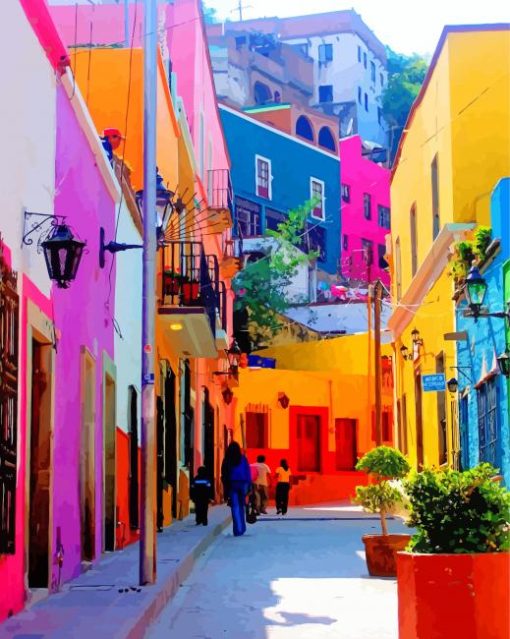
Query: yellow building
{"points": [[455, 147], [316, 409]]}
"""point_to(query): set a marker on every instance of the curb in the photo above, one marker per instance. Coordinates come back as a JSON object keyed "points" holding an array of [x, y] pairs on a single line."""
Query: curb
{"points": [[168, 589]]}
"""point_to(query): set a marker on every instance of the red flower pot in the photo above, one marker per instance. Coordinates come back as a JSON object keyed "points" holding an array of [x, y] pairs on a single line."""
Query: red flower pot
{"points": [[171, 285], [190, 292], [380, 553], [449, 596]]}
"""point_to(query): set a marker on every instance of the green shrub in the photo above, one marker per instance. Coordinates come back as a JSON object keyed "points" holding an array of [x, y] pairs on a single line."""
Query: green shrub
{"points": [[384, 461], [459, 512], [385, 497]]}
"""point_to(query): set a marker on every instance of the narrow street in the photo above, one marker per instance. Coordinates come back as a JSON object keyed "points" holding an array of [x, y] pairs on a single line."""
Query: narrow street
{"points": [[300, 578]]}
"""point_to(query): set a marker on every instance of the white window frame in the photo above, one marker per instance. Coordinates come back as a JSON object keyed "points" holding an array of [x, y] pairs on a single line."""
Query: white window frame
{"points": [[323, 204], [269, 177]]}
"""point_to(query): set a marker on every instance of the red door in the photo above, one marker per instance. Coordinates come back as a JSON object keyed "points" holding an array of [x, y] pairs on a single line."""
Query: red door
{"points": [[346, 446], [309, 442]]}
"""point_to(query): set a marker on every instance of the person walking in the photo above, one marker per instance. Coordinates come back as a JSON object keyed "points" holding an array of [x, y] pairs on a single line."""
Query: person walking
{"points": [[201, 494], [236, 478], [261, 484], [283, 475]]}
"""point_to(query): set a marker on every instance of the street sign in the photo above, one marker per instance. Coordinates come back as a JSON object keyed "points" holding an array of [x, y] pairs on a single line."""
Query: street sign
{"points": [[433, 383], [458, 336]]}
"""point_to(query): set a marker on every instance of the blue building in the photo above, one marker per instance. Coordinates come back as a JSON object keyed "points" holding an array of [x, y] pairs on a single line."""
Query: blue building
{"points": [[484, 391], [273, 172]]}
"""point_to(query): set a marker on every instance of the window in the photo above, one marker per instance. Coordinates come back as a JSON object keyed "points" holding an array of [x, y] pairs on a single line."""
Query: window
{"points": [[326, 139], [398, 268], [273, 219], [488, 421], [263, 177], [384, 216], [464, 432], [325, 53], [256, 430], [365, 59], [317, 239], [381, 254], [368, 251], [9, 330], [326, 93], [360, 95], [372, 71], [345, 243], [240, 41], [346, 192], [317, 194], [262, 94], [414, 239], [248, 217], [381, 78], [359, 54], [304, 128], [367, 206], [366, 102], [434, 176]]}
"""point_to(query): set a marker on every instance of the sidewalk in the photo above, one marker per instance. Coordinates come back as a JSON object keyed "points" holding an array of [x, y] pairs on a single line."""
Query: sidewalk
{"points": [[91, 607]]}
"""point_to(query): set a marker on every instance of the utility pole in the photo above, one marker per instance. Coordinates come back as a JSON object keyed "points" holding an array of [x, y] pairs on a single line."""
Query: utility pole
{"points": [[377, 362], [148, 439]]}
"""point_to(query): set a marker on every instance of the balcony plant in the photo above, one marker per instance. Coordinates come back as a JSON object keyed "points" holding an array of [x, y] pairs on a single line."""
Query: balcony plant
{"points": [[386, 466], [461, 550], [171, 283], [468, 251], [190, 290]]}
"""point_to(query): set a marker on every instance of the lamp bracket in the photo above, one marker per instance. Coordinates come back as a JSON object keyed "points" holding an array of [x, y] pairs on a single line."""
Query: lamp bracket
{"points": [[461, 370], [484, 312], [38, 222], [112, 247]]}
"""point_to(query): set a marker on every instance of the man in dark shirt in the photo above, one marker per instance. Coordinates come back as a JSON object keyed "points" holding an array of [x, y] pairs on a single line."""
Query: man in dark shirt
{"points": [[201, 494]]}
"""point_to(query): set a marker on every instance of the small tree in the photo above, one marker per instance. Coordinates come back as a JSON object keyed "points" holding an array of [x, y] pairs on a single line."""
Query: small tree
{"points": [[262, 286], [387, 465]]}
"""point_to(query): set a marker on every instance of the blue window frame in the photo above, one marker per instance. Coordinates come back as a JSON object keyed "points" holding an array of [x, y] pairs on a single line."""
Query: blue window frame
{"points": [[488, 421]]}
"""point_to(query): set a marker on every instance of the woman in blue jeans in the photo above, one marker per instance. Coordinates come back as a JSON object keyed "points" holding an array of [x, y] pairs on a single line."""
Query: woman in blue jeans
{"points": [[236, 478]]}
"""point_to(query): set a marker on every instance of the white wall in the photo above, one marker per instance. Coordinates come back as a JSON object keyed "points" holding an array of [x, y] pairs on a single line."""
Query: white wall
{"points": [[28, 138], [128, 314]]}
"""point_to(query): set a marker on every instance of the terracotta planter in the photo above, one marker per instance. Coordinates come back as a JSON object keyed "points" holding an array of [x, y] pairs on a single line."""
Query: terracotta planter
{"points": [[453, 596], [190, 292], [171, 284], [381, 551]]}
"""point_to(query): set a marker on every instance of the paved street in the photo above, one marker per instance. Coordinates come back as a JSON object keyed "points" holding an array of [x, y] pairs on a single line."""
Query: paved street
{"points": [[300, 578]]}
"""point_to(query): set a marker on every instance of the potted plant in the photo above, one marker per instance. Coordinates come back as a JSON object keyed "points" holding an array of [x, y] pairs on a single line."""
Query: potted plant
{"points": [[171, 283], [455, 580], [386, 466], [190, 291]]}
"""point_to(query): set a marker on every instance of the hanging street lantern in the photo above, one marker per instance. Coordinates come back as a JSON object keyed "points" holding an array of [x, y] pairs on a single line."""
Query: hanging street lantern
{"points": [[283, 400], [234, 356], [164, 206], [227, 395], [453, 385], [476, 289], [63, 254], [404, 351]]}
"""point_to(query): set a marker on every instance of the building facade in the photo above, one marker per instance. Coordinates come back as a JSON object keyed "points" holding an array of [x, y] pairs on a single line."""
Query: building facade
{"points": [[438, 197], [483, 399], [349, 65], [273, 172], [366, 214]]}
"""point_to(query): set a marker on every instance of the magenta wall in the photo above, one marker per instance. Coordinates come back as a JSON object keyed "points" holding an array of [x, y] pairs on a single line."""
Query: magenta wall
{"points": [[363, 176], [83, 316]]}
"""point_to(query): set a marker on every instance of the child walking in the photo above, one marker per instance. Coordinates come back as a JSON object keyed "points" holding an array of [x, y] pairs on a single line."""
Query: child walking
{"points": [[201, 494], [282, 487]]}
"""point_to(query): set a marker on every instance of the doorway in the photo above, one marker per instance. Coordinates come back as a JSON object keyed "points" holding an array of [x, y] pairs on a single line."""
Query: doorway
{"points": [[109, 463], [346, 445], [133, 458], [40, 466], [419, 419], [309, 442], [171, 436], [208, 434], [87, 458]]}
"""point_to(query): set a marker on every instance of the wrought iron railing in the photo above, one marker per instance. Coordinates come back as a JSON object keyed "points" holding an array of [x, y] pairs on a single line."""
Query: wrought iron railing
{"points": [[190, 278], [219, 189]]}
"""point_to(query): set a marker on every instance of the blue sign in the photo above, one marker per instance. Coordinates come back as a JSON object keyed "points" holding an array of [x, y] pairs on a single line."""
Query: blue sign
{"points": [[254, 361], [433, 383]]}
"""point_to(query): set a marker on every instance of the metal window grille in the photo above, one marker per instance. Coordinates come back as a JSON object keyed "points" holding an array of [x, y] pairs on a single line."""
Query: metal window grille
{"points": [[262, 178], [488, 421]]}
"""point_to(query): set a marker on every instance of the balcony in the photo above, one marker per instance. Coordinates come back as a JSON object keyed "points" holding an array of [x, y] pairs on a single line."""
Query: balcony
{"points": [[220, 200], [191, 312]]}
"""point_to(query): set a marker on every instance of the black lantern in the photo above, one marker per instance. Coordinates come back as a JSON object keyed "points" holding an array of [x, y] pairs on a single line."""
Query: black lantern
{"points": [[404, 351], [283, 400], [415, 335], [227, 394], [476, 288], [234, 356], [504, 363], [453, 385], [164, 206], [62, 253]]}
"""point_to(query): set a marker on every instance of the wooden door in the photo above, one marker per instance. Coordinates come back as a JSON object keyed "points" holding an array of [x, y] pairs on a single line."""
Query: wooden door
{"points": [[87, 459], [346, 444], [40, 466], [110, 463], [309, 442], [419, 419]]}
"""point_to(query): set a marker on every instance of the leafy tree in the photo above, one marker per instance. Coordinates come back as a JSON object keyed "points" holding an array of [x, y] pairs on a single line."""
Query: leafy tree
{"points": [[210, 14], [261, 287], [405, 77]]}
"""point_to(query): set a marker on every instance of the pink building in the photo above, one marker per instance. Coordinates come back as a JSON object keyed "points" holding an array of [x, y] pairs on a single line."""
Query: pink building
{"points": [[365, 213]]}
